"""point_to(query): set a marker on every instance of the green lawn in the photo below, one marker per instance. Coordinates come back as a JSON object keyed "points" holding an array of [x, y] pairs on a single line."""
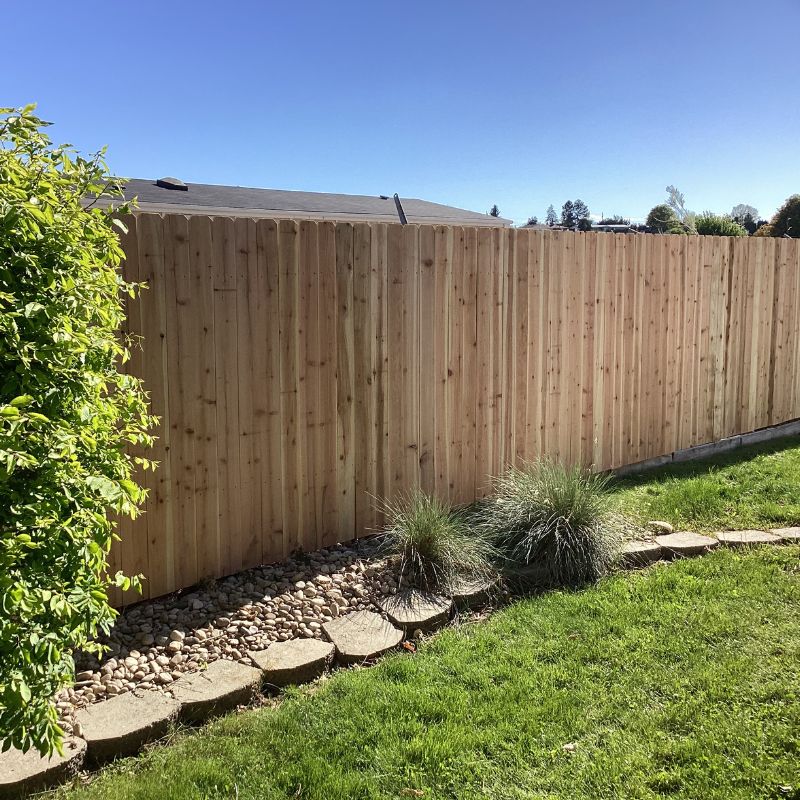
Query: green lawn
{"points": [[755, 487], [679, 681]]}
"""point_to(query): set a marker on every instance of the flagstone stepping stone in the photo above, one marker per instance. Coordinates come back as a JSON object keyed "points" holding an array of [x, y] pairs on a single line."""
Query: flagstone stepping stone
{"points": [[361, 636], [686, 543], [640, 553], [787, 534], [24, 773], [294, 661], [472, 594], [220, 687], [415, 610], [746, 538], [121, 725]]}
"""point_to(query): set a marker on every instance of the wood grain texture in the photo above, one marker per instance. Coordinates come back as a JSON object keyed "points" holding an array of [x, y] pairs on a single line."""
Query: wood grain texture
{"points": [[302, 370]]}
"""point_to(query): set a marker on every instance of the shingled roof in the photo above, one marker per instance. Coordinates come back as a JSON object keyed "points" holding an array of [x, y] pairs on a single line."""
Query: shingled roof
{"points": [[204, 198]]}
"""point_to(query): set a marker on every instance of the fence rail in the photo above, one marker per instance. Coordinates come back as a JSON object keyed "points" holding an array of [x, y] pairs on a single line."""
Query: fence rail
{"points": [[302, 369]]}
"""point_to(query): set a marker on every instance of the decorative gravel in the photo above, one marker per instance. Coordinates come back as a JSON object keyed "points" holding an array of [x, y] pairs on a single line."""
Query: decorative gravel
{"points": [[155, 642]]}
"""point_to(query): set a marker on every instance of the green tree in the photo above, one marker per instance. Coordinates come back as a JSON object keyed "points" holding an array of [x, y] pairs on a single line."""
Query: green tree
{"points": [[786, 221], [581, 211], [67, 415], [615, 219], [533, 220], [709, 224], [551, 218], [746, 216], [568, 214], [662, 219]]}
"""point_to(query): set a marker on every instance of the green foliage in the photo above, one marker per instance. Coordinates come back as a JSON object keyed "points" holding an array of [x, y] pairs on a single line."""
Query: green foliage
{"points": [[552, 523], [709, 224], [786, 221], [662, 219], [755, 487], [763, 230], [437, 547], [746, 216], [616, 219], [551, 218], [66, 416]]}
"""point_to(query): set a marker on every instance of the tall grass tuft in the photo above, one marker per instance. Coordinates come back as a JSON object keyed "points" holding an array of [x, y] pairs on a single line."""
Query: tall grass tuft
{"points": [[437, 548], [552, 524]]}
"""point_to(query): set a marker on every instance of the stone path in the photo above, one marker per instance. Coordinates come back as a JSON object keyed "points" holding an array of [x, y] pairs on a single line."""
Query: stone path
{"points": [[361, 636], [641, 553], [120, 726], [221, 687], [787, 534], [293, 662], [686, 543], [415, 610], [746, 538], [24, 773]]}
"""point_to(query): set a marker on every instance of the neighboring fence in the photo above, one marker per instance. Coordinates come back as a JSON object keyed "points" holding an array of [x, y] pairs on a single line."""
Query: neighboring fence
{"points": [[302, 369]]}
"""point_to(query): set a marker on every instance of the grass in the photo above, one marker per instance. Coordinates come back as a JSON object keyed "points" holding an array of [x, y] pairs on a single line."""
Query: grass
{"points": [[551, 521], [679, 681], [754, 487]]}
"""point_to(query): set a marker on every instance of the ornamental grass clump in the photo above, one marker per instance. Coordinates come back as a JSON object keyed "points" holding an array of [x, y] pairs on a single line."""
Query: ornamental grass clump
{"points": [[436, 546], [552, 524]]}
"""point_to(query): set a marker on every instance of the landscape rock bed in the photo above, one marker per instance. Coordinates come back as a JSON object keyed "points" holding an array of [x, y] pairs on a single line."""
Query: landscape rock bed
{"points": [[155, 643]]}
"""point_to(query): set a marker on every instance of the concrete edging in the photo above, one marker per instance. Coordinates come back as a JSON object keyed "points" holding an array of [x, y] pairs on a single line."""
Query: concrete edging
{"points": [[708, 449]]}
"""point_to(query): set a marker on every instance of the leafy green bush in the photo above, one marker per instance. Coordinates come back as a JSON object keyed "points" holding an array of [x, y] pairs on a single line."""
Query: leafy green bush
{"points": [[764, 230], [66, 416], [709, 224], [552, 523], [437, 546], [662, 219]]}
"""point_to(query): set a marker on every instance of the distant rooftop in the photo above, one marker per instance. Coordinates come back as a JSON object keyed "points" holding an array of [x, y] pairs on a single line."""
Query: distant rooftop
{"points": [[172, 195]]}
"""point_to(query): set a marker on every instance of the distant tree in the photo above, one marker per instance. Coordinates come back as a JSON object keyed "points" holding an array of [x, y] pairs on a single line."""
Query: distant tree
{"points": [[533, 220], [662, 219], [709, 224], [746, 216], [676, 201], [568, 214], [551, 218], [494, 211], [615, 219], [786, 221], [581, 211]]}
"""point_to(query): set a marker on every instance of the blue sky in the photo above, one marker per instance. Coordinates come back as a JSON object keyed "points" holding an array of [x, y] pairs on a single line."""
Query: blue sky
{"points": [[519, 104]]}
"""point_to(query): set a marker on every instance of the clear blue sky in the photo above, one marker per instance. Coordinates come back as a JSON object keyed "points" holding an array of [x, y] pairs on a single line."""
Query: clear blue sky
{"points": [[519, 104]]}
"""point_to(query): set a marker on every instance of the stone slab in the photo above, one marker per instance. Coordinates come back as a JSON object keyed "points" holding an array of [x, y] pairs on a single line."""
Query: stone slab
{"points": [[749, 538], [24, 773], [686, 543], [641, 553], [472, 594], [219, 688], [293, 662], [361, 636], [415, 610], [787, 534], [660, 526], [121, 725]]}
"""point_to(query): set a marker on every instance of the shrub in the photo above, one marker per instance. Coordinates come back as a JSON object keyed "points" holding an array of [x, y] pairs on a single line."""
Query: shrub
{"points": [[786, 221], [709, 224], [662, 219], [552, 523], [66, 416], [437, 547], [764, 230]]}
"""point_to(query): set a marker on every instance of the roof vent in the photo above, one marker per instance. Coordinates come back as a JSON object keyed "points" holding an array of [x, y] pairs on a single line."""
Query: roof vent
{"points": [[172, 183]]}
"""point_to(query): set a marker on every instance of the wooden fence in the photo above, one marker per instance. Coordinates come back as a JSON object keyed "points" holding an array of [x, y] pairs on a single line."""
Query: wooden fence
{"points": [[302, 369]]}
